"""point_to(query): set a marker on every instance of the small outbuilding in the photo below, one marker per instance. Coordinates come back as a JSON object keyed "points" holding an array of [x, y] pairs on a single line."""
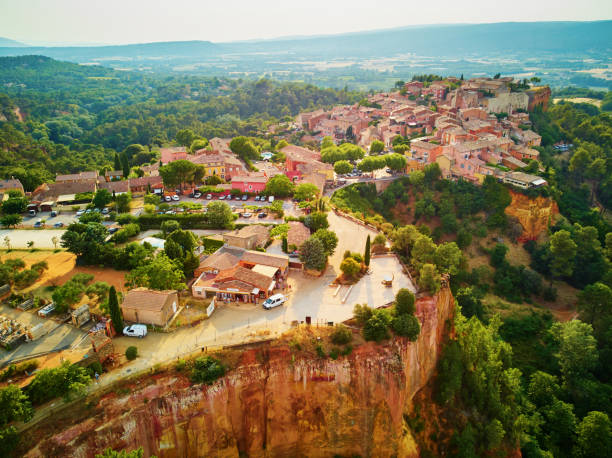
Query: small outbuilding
{"points": [[147, 306]]}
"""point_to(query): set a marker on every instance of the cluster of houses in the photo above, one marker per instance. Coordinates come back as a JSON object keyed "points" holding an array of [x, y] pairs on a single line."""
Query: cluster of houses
{"points": [[471, 128]]}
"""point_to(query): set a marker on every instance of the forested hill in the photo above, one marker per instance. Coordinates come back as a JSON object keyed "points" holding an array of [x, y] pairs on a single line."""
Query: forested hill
{"points": [[77, 116]]}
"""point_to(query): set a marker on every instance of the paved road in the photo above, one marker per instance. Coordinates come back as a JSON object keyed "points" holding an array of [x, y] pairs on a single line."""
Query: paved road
{"points": [[59, 335], [19, 238]]}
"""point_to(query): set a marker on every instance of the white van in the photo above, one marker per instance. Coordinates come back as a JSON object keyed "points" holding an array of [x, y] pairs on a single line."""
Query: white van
{"points": [[135, 330], [271, 199], [274, 301]]}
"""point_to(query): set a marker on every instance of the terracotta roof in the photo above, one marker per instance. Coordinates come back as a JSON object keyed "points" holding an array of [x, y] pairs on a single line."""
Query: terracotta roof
{"points": [[244, 275], [262, 233], [250, 179], [77, 176], [146, 299], [10, 184], [267, 259], [116, 186], [144, 181], [220, 261], [50, 190], [297, 234], [109, 173]]}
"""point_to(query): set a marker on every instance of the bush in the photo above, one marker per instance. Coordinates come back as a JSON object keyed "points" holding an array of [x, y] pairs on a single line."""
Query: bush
{"points": [[404, 302], [131, 353], [362, 313], [64, 380], [320, 351], [95, 367], [341, 335], [377, 327], [406, 326], [206, 370], [181, 364], [350, 268], [334, 353]]}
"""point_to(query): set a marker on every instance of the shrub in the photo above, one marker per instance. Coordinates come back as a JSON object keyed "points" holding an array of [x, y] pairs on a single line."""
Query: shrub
{"points": [[407, 326], [334, 353], [350, 268], [377, 327], [341, 335], [206, 370], [347, 350], [404, 302], [320, 351], [95, 367], [362, 313], [181, 364], [131, 353]]}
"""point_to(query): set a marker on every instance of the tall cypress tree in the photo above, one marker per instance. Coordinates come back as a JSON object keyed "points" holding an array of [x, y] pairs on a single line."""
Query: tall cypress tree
{"points": [[366, 254], [117, 162], [115, 312], [125, 164]]}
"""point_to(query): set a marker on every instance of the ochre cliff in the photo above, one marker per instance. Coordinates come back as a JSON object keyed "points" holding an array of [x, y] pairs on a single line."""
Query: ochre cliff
{"points": [[272, 403], [534, 214]]}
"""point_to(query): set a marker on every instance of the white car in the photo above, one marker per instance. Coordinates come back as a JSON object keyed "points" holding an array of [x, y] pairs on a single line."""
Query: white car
{"points": [[135, 330], [271, 199], [168, 199], [176, 198], [208, 196], [197, 195], [46, 310], [105, 211], [222, 197], [80, 212], [274, 301]]}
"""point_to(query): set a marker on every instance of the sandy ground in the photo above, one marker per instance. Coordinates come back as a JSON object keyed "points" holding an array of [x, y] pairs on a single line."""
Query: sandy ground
{"points": [[42, 238]]}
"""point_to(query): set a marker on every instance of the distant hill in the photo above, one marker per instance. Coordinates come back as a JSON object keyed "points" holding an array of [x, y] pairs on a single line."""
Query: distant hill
{"points": [[8, 43]]}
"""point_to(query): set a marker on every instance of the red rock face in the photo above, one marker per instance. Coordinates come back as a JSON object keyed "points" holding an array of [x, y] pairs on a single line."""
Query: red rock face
{"points": [[535, 215], [272, 405]]}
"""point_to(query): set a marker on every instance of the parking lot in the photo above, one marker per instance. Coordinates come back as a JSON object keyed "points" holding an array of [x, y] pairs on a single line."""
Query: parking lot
{"points": [[65, 218]]}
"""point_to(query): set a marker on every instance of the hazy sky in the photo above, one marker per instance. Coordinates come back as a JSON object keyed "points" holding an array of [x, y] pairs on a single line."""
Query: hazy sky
{"points": [[138, 21]]}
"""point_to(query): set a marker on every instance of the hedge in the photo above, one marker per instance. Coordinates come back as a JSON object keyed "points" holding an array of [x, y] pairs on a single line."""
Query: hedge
{"points": [[187, 221]]}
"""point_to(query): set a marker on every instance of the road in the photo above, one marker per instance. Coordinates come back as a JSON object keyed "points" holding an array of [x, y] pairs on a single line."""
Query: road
{"points": [[19, 238]]}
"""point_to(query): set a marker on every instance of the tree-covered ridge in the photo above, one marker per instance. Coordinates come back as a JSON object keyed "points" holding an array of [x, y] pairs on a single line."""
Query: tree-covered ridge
{"points": [[78, 116]]}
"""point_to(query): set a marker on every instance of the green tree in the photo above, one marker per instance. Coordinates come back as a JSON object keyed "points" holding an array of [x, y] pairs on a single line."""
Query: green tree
{"points": [[131, 353], [280, 186], [185, 137], [498, 255], [14, 205], [125, 164], [423, 251], [9, 220], [117, 162], [377, 147], [429, 279], [14, 406], [350, 268], [177, 173], [377, 326], [198, 144], [371, 163], [315, 221], [213, 180], [404, 302], [367, 254], [594, 435], [326, 142], [328, 238], [342, 167], [161, 274], [115, 311], [396, 162], [562, 250], [306, 191], [312, 254], [220, 215], [243, 147], [171, 225], [448, 258], [122, 201], [470, 303], [595, 308], [102, 198], [406, 326], [577, 353], [66, 381]]}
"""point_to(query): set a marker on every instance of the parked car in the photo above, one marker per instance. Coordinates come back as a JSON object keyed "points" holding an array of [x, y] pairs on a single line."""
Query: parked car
{"points": [[53, 214], [259, 209], [112, 230], [197, 195], [230, 197], [88, 210], [257, 198], [208, 196], [168, 199], [170, 212], [274, 301], [294, 254], [59, 224], [247, 215], [262, 215], [176, 198], [46, 310], [32, 212], [135, 330], [105, 211], [245, 197], [222, 197], [38, 223], [271, 199], [389, 171]]}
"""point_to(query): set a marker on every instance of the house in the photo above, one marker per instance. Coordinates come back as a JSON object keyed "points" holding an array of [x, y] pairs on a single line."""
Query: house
{"points": [[115, 187], [512, 162], [173, 154], [11, 184], [144, 184], [297, 234], [113, 175], [151, 170], [525, 154], [295, 155], [237, 284], [249, 237], [83, 177], [216, 262], [213, 163], [63, 192], [524, 180], [146, 306], [250, 182]]}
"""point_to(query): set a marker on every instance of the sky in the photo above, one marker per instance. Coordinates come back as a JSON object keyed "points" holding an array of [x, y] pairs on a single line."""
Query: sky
{"points": [[55, 22]]}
